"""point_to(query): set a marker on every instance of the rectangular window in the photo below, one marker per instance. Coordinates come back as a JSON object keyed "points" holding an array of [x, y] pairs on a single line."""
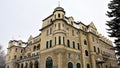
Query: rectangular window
{"points": [[94, 48], [67, 30], [76, 34], [47, 44], [68, 43], [59, 40], [63, 40], [78, 46], [73, 44], [92, 38], [50, 30], [69, 55], [59, 27], [50, 43], [72, 32], [55, 16], [47, 32], [15, 49], [55, 40]]}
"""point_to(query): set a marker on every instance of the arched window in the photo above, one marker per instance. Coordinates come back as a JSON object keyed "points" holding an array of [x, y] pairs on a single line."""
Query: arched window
{"points": [[15, 57], [47, 44], [38, 47], [34, 48], [59, 40], [94, 48], [78, 46], [31, 65], [16, 49], [86, 52], [20, 57], [88, 65], [78, 65], [49, 62], [21, 50], [70, 65], [36, 64], [73, 44], [68, 43], [59, 15], [85, 42]]}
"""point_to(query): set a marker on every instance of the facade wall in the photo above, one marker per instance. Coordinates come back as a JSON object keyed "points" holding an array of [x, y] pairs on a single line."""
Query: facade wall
{"points": [[62, 43]]}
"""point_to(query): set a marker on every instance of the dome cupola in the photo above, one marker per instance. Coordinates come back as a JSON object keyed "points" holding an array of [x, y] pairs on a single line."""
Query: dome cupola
{"points": [[59, 9]]}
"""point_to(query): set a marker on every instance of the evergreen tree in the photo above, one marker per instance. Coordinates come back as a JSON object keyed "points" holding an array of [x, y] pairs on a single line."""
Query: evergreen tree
{"points": [[2, 57], [114, 23]]}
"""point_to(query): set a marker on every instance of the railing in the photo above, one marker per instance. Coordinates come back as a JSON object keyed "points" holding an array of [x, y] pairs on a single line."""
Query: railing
{"points": [[27, 58], [59, 31]]}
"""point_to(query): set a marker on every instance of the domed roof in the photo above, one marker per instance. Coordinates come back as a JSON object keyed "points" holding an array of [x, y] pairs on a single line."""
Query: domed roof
{"points": [[58, 8]]}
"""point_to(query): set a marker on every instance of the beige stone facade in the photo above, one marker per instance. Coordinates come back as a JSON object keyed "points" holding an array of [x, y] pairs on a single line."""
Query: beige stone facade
{"points": [[62, 43]]}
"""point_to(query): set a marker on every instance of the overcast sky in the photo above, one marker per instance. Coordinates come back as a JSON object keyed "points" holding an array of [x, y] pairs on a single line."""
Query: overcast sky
{"points": [[21, 18]]}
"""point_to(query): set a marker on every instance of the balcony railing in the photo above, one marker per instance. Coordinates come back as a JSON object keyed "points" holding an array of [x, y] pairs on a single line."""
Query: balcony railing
{"points": [[27, 58]]}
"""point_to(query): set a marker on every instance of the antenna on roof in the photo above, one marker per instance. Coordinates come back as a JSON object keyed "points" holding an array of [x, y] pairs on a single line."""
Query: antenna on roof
{"points": [[58, 3]]}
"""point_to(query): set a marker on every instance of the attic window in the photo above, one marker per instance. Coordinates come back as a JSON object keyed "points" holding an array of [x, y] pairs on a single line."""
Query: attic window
{"points": [[19, 43]]}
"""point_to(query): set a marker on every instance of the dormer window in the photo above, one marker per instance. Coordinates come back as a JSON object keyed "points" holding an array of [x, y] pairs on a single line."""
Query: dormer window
{"points": [[19, 43]]}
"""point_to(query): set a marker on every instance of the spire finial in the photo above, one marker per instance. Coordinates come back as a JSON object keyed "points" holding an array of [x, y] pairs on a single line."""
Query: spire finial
{"points": [[58, 3]]}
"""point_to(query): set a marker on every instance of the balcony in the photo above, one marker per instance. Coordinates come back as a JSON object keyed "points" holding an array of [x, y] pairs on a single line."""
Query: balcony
{"points": [[60, 48], [27, 58], [59, 31]]}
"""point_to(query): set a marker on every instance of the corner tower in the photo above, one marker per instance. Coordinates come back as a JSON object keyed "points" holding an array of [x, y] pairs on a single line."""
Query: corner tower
{"points": [[59, 13]]}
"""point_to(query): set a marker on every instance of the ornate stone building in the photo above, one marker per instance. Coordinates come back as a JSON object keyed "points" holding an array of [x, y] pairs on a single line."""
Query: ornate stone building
{"points": [[62, 43]]}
